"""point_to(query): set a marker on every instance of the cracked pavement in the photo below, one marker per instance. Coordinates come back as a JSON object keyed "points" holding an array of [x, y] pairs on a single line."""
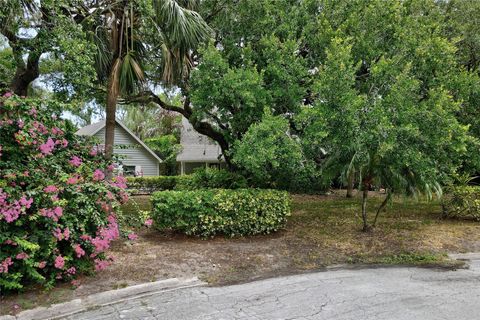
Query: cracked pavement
{"points": [[372, 293]]}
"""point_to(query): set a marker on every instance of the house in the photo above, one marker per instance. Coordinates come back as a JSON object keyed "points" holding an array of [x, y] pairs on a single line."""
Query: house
{"points": [[197, 150], [136, 158]]}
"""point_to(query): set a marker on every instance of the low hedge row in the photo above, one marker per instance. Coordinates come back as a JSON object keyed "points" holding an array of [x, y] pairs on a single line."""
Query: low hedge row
{"points": [[210, 212], [462, 202], [201, 179], [158, 183]]}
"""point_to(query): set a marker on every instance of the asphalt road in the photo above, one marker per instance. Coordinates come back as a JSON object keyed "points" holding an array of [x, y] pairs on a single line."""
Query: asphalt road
{"points": [[381, 293]]}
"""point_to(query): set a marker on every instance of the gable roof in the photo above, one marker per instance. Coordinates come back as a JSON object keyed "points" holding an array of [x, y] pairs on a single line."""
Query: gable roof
{"points": [[197, 147], [93, 128]]}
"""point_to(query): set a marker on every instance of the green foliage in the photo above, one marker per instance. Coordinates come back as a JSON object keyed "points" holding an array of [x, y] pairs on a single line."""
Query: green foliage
{"points": [[57, 212], [150, 184], [7, 66], [207, 178], [462, 202], [167, 148], [271, 157], [227, 94], [200, 179], [207, 213]]}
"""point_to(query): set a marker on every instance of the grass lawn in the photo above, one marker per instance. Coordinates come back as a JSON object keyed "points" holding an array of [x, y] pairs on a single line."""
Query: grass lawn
{"points": [[322, 231]]}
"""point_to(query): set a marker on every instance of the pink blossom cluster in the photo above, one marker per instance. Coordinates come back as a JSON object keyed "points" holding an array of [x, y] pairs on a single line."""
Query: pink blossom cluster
{"points": [[47, 147], [50, 189], [22, 256], [5, 264], [119, 182], [53, 213], [61, 235], [59, 262], [105, 235], [98, 175], [75, 161], [11, 210], [101, 264], [78, 250], [73, 179]]}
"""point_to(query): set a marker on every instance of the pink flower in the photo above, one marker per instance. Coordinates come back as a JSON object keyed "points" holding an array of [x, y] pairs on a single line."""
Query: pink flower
{"points": [[5, 264], [63, 143], [75, 283], [57, 131], [98, 175], [148, 222], [54, 213], [101, 264], [71, 270], [59, 262], [42, 264], [47, 147], [72, 180], [50, 189], [94, 151], [8, 94], [27, 203], [10, 242], [75, 161], [119, 182], [78, 250], [57, 233], [22, 256], [66, 233], [132, 236]]}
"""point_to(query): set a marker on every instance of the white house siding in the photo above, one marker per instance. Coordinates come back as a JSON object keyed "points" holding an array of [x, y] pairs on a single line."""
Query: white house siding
{"points": [[135, 155]]}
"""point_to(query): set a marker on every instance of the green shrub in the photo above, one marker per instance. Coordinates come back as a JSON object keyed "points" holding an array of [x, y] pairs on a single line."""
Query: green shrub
{"points": [[58, 213], [159, 183], [462, 202], [209, 212], [201, 179], [206, 178]]}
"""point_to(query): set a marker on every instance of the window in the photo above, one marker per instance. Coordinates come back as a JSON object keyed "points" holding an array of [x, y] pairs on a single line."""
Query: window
{"points": [[129, 171]]}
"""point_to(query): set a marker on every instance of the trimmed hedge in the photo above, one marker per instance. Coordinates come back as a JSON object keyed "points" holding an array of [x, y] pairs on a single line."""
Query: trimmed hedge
{"points": [[159, 183], [463, 202], [201, 179], [210, 212]]}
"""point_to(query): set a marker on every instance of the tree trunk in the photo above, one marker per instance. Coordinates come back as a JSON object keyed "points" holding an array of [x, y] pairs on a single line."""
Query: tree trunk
{"points": [[112, 97], [25, 74], [366, 227], [382, 206], [350, 183]]}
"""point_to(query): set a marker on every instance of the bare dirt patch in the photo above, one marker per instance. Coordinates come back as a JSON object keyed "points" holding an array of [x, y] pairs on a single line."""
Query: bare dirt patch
{"points": [[322, 231]]}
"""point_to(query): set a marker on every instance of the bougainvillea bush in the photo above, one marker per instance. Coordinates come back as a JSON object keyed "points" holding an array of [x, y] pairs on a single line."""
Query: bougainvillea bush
{"points": [[57, 210]]}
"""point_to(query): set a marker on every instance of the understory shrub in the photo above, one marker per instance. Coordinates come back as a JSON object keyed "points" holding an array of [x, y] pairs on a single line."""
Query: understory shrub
{"points": [[150, 184], [210, 212], [208, 178], [462, 202], [58, 214], [200, 179]]}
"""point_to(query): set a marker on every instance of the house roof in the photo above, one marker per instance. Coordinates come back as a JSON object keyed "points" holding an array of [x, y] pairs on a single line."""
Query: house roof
{"points": [[197, 147], [93, 128]]}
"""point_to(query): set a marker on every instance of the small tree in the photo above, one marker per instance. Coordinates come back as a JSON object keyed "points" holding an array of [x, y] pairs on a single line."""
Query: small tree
{"points": [[269, 155], [396, 136]]}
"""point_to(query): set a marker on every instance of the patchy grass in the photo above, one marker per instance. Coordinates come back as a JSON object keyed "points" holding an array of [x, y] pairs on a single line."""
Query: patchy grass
{"points": [[322, 231]]}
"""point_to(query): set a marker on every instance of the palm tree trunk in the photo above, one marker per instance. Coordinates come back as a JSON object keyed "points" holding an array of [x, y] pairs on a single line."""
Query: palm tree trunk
{"points": [[365, 186], [112, 97], [350, 182]]}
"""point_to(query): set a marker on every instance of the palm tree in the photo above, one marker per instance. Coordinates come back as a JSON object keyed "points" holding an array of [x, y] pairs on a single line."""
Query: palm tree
{"points": [[128, 33]]}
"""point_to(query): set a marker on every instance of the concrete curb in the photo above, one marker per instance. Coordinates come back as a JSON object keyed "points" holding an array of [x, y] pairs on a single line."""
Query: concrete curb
{"points": [[101, 299]]}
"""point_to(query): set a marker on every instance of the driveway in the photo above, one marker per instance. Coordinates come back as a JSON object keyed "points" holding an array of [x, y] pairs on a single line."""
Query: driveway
{"points": [[374, 293]]}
